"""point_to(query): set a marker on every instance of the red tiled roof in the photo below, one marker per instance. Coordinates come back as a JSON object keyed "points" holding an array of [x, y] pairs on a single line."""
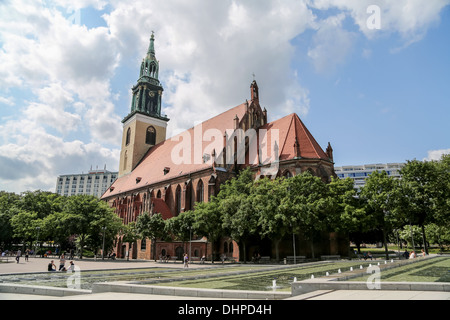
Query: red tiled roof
{"points": [[157, 166], [291, 128], [151, 169]]}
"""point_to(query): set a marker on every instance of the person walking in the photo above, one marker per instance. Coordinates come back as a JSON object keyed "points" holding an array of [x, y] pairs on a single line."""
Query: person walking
{"points": [[186, 261]]}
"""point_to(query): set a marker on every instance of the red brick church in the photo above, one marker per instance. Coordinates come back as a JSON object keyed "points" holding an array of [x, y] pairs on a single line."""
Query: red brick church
{"points": [[168, 176]]}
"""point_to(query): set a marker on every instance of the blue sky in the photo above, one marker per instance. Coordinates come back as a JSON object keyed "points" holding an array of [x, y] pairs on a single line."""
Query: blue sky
{"points": [[377, 95]]}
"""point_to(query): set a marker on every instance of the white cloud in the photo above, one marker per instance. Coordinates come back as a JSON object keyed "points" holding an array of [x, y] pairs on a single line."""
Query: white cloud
{"points": [[7, 101], [208, 51], [63, 71], [409, 18], [331, 44], [436, 154]]}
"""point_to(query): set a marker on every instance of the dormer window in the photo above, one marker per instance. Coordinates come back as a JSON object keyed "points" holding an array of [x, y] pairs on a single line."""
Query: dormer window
{"points": [[138, 179], [166, 170]]}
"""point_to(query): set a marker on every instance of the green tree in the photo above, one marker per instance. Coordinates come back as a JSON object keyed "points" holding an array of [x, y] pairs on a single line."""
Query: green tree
{"points": [[208, 222], [439, 234], [420, 188], [348, 214], [43, 203], [86, 217], [238, 218], [266, 198], [151, 226], [309, 205], [379, 194], [54, 228], [442, 200], [8, 208], [181, 227], [24, 226]]}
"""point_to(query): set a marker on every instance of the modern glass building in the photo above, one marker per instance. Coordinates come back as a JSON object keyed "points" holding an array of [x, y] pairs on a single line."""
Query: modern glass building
{"points": [[361, 172], [95, 183]]}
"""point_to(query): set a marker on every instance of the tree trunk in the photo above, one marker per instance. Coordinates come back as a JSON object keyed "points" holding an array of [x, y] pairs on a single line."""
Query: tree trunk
{"points": [[312, 245], [277, 251], [424, 239], [81, 247], [385, 245], [245, 251], [154, 248]]}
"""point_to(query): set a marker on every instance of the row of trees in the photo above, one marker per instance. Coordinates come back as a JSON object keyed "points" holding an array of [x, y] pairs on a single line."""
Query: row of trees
{"points": [[44, 217], [384, 209]]}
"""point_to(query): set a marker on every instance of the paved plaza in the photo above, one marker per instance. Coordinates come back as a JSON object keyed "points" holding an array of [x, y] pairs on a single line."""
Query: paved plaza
{"points": [[39, 265]]}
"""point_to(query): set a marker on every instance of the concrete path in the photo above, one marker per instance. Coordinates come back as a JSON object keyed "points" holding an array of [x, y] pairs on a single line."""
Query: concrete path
{"points": [[40, 265]]}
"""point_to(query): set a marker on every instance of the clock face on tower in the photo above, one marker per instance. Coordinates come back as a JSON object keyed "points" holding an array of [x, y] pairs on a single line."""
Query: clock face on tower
{"points": [[152, 94]]}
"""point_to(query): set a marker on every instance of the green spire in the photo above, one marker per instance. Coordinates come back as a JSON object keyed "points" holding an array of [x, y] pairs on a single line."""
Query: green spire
{"points": [[150, 66], [151, 47], [147, 93]]}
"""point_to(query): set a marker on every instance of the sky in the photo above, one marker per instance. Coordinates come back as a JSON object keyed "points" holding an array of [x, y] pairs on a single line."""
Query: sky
{"points": [[370, 77]]}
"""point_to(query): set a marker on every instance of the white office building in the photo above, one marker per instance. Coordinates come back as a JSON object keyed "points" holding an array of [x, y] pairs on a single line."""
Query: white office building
{"points": [[95, 183], [361, 172]]}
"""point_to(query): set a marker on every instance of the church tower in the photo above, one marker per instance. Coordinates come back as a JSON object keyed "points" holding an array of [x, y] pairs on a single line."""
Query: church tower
{"points": [[144, 127]]}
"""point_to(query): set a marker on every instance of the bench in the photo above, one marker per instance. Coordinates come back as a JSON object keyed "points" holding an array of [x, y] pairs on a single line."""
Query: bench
{"points": [[4, 258], [290, 259], [192, 259], [265, 259], [379, 255], [330, 257]]}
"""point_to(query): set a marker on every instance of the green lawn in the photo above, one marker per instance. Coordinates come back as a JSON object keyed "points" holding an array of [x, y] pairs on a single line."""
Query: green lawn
{"points": [[434, 270]]}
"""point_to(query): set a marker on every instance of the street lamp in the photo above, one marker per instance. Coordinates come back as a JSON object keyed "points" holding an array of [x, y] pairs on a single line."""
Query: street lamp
{"points": [[190, 242], [293, 243], [103, 248], [37, 239]]}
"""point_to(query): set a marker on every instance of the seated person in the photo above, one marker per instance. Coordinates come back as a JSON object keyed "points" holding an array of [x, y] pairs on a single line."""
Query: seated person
{"points": [[51, 266]]}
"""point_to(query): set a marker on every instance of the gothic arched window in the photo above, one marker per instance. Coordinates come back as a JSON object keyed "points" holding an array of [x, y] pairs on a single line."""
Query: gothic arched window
{"points": [[127, 141], [150, 137], [178, 200], [288, 174], [200, 191]]}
